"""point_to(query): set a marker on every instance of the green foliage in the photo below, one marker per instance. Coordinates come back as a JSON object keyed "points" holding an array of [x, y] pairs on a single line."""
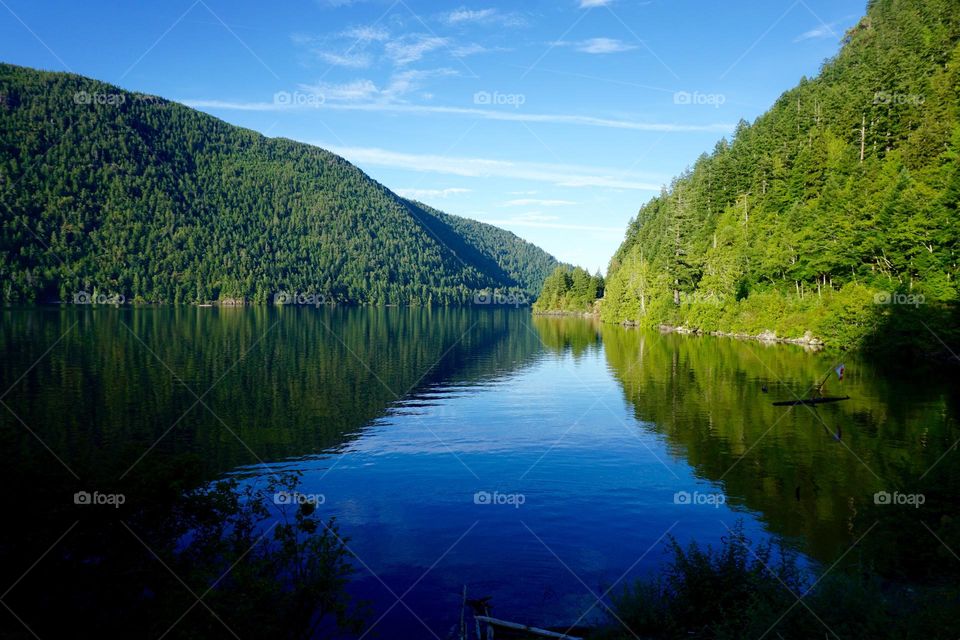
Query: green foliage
{"points": [[117, 193], [747, 590], [255, 565], [569, 289], [786, 228]]}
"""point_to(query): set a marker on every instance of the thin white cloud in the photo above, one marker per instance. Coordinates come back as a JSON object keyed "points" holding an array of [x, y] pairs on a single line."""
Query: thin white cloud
{"points": [[825, 30], [366, 91], [487, 114], [464, 16], [532, 221], [556, 174], [412, 48], [349, 91], [426, 194], [358, 60], [367, 33], [604, 45], [462, 51], [537, 202], [597, 46], [588, 4]]}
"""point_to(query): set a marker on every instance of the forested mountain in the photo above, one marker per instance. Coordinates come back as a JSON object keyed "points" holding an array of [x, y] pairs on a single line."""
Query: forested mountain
{"points": [[521, 261], [833, 212], [124, 194]]}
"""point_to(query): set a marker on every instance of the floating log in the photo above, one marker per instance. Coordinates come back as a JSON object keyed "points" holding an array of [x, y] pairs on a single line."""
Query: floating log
{"points": [[522, 627], [808, 401]]}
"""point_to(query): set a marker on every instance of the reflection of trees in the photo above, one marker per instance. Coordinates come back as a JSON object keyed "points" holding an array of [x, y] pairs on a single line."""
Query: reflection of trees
{"points": [[566, 332], [704, 395], [288, 381]]}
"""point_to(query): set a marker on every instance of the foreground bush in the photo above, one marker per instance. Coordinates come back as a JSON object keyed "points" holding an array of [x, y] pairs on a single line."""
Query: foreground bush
{"points": [[746, 590]]}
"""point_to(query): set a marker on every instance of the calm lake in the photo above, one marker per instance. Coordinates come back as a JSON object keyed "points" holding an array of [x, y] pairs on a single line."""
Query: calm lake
{"points": [[539, 461]]}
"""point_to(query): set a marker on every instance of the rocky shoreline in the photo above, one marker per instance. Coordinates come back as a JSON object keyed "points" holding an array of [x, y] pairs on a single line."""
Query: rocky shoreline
{"points": [[807, 340], [576, 314]]}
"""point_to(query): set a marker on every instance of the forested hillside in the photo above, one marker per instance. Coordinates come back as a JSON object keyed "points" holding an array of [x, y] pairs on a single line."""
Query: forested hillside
{"points": [[521, 261], [569, 290], [835, 212], [124, 194]]}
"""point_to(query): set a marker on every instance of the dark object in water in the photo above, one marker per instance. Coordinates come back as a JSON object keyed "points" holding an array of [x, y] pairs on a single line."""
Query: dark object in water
{"points": [[809, 401]]}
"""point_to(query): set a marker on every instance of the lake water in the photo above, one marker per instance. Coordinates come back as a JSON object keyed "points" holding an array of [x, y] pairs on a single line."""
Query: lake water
{"points": [[539, 461]]}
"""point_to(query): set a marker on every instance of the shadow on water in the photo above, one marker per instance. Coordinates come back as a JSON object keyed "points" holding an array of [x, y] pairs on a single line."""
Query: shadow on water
{"points": [[152, 403]]}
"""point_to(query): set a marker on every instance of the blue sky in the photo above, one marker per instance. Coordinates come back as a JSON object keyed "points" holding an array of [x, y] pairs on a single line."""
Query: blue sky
{"points": [[554, 119]]}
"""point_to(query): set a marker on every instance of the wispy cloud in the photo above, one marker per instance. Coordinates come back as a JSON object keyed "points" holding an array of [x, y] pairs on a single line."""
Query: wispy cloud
{"points": [[464, 16], [362, 46], [536, 202], [587, 4], [411, 48], [597, 45], [366, 91], [824, 30], [557, 174], [367, 33], [536, 220], [358, 60], [486, 114], [426, 194], [462, 51]]}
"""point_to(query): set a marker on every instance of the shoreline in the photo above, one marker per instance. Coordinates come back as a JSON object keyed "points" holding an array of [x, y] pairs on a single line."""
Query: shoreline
{"points": [[808, 340], [560, 313]]}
